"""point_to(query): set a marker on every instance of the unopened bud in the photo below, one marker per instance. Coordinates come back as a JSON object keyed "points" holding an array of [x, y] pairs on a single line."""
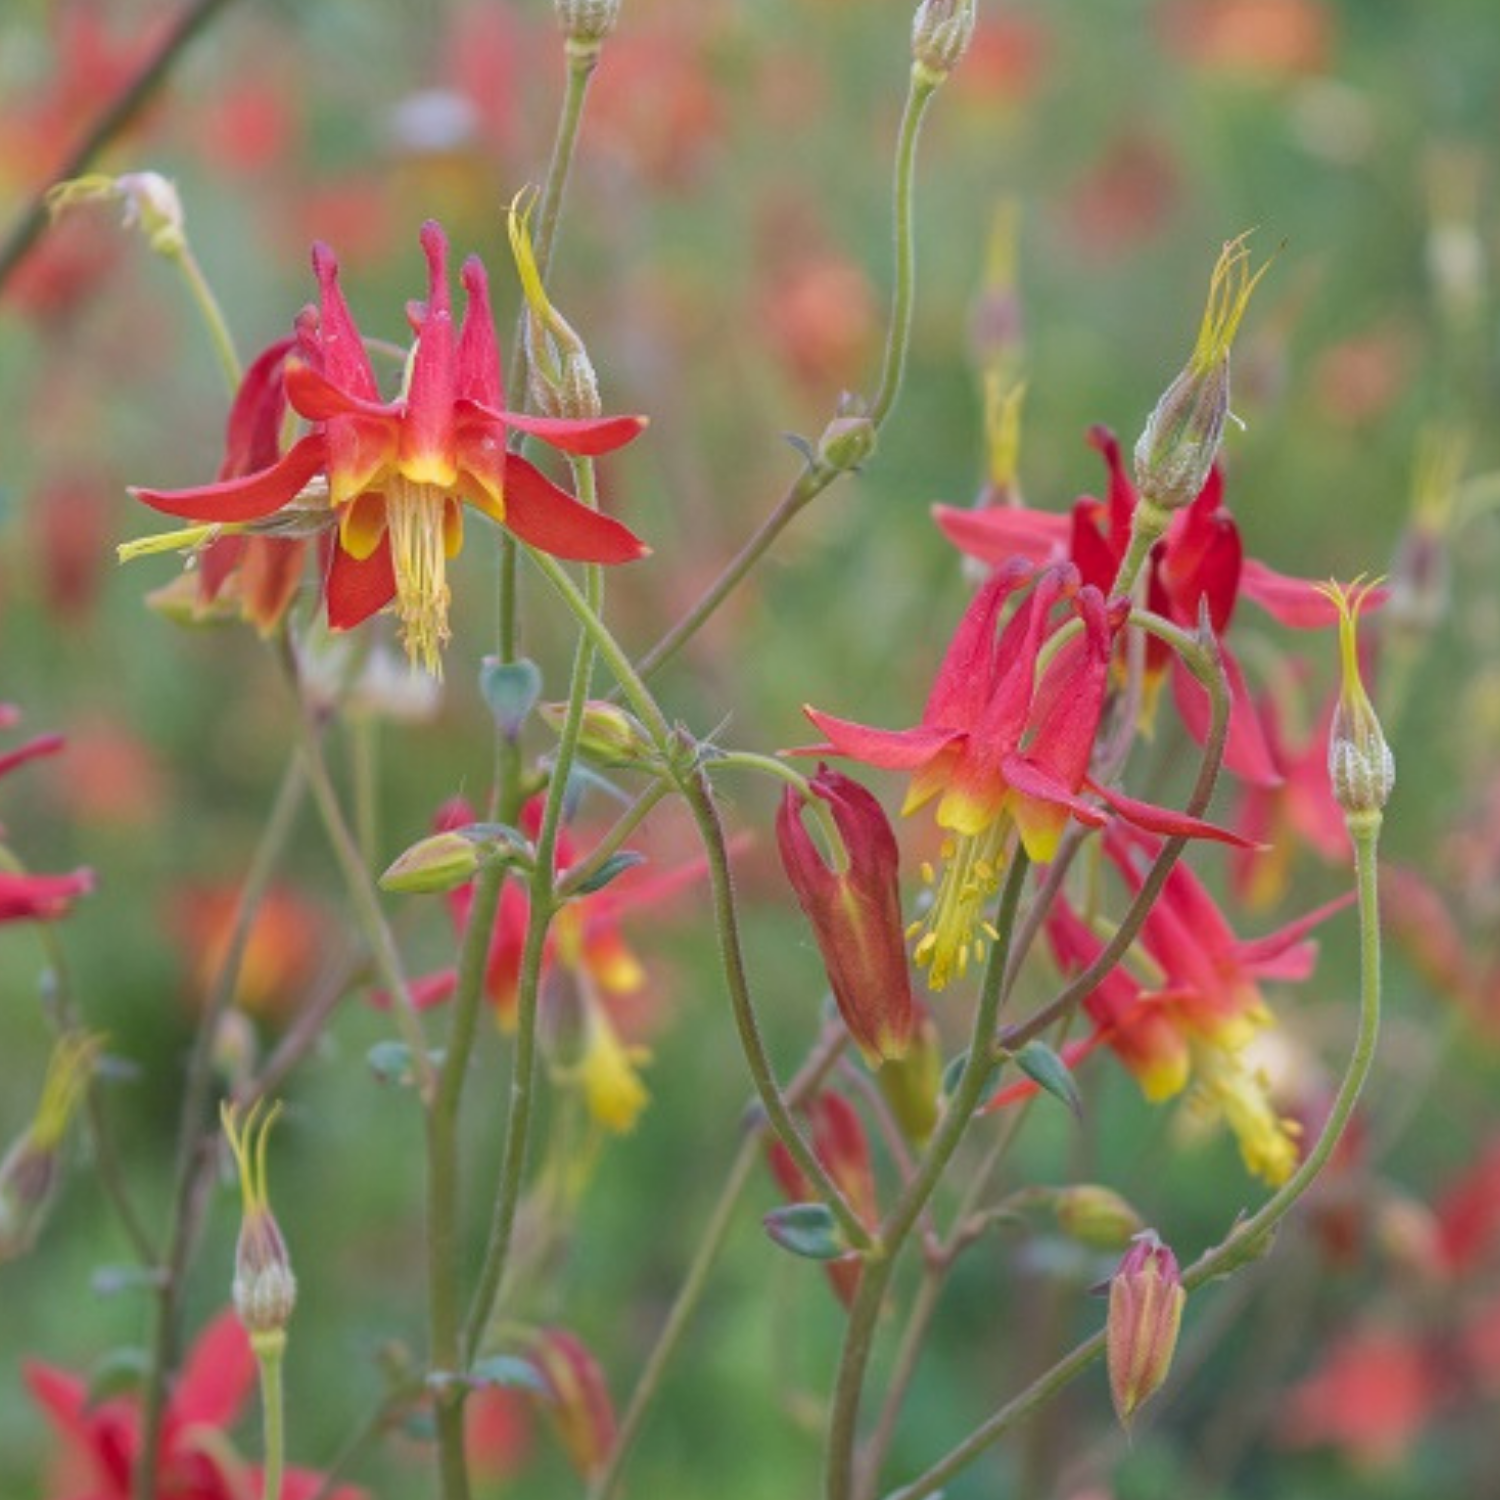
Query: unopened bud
{"points": [[1360, 764], [1145, 1312], [150, 200], [847, 441], [1096, 1216], [1181, 440], [30, 1172], [577, 1398], [264, 1289], [587, 21], [440, 862], [940, 35], [608, 736]]}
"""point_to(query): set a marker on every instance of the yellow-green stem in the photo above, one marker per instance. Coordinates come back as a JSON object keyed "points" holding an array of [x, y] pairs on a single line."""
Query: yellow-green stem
{"points": [[268, 1355], [212, 314]]}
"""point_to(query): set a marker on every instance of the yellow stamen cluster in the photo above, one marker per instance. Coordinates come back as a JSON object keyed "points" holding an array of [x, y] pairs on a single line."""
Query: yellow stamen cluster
{"points": [[415, 516], [1226, 1084], [945, 941]]}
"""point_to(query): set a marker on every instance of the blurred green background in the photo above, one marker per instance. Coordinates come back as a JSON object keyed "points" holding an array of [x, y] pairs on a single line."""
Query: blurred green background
{"points": [[727, 254]]}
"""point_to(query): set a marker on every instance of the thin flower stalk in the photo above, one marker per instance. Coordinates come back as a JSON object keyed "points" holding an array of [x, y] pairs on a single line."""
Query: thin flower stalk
{"points": [[817, 475], [189, 1167], [859, 1335]]}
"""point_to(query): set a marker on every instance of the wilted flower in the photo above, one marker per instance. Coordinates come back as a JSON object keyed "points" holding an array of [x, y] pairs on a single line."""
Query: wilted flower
{"points": [[1360, 764], [265, 1290]]}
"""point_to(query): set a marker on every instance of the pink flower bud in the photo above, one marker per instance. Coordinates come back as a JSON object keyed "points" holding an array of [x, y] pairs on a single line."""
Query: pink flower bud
{"points": [[855, 912], [1145, 1312]]}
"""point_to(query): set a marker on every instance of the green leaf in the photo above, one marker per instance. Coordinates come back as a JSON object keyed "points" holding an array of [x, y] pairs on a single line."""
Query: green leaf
{"points": [[1047, 1070], [390, 1062], [615, 865], [510, 1371], [510, 691], [806, 1229]]}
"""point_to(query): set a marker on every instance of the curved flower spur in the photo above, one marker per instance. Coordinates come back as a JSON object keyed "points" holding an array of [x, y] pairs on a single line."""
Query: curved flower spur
{"points": [[399, 472]]}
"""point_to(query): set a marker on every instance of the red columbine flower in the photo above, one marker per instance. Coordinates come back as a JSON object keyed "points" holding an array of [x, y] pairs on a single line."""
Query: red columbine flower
{"points": [[25, 897], [968, 750], [855, 912], [398, 473], [1199, 560], [101, 1439]]}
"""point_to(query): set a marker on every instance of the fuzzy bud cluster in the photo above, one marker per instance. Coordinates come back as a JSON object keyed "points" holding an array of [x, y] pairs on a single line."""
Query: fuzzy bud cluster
{"points": [[587, 21], [940, 35]]}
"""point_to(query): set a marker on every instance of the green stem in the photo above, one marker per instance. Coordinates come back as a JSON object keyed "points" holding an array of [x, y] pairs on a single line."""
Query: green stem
{"points": [[809, 1078], [1147, 527], [816, 476], [212, 315], [864, 1315], [112, 119], [544, 906], [1248, 1240], [190, 1130], [898, 337], [699, 796], [268, 1353], [584, 871]]}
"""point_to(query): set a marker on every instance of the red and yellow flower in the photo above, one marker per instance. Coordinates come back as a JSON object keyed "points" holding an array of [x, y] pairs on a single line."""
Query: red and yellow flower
{"points": [[394, 476], [1003, 748]]}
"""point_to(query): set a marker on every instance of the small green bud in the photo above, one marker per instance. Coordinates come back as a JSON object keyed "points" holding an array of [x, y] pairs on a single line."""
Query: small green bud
{"points": [[264, 1288], [1096, 1216], [587, 21], [438, 863], [608, 736], [1360, 764], [847, 441]]}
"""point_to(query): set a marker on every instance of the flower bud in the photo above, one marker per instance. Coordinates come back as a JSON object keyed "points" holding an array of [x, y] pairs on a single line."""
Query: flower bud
{"points": [[855, 911], [440, 862], [940, 35], [264, 1290], [151, 204], [609, 737], [1360, 764], [1145, 1312], [587, 21], [29, 1174], [1096, 1216], [847, 441], [1181, 440]]}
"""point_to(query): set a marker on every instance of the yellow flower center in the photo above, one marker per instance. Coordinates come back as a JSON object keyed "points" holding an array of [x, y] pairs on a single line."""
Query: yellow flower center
{"points": [[417, 517], [946, 941]]}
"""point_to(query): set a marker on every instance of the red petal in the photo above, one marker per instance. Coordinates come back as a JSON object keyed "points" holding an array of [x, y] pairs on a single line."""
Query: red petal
{"points": [[1246, 752], [587, 437], [339, 343], [1164, 820], [253, 436], [890, 749], [1027, 779], [44, 744], [427, 430], [1263, 953], [356, 589], [1000, 532], [1294, 601], [319, 400], [246, 499], [478, 355], [218, 1376], [551, 520]]}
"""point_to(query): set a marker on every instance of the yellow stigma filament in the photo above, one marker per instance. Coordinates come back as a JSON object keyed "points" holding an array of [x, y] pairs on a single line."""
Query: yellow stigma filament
{"points": [[946, 940], [414, 516], [247, 1142], [1349, 599], [1229, 290]]}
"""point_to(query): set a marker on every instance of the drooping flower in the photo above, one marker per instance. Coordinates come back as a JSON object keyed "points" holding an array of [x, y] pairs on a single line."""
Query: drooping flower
{"points": [[1198, 562], [1201, 1007], [395, 475], [855, 912], [101, 1440], [1004, 755]]}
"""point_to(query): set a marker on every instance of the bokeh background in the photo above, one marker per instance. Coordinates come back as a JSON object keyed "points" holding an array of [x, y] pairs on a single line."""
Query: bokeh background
{"points": [[727, 254]]}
